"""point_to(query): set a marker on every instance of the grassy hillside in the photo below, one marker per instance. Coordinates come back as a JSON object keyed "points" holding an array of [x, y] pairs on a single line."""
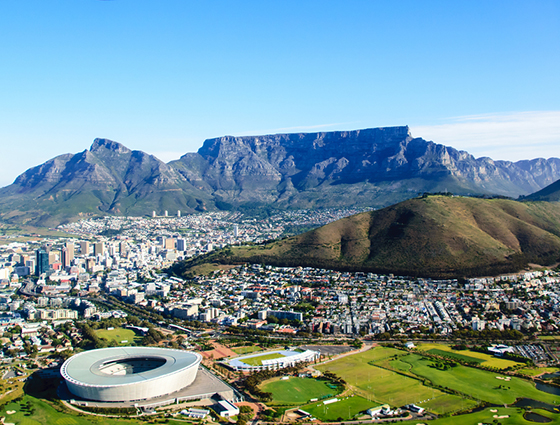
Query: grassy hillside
{"points": [[435, 236]]}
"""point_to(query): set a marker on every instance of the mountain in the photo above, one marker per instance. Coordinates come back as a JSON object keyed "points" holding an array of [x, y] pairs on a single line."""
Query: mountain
{"points": [[372, 167], [551, 193], [378, 167], [106, 179], [433, 236]]}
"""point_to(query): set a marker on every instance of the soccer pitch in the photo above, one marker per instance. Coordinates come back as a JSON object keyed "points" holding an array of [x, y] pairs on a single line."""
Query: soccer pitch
{"points": [[257, 360], [297, 390]]}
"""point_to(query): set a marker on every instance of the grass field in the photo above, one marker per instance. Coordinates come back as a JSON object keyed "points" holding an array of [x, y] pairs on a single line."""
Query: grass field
{"points": [[297, 390], [257, 360], [246, 350], [386, 386], [42, 413], [536, 371], [119, 335], [486, 416], [550, 337], [345, 408], [478, 383], [486, 359], [454, 355]]}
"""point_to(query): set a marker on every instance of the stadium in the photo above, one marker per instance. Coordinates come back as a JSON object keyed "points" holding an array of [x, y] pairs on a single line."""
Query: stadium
{"points": [[272, 360], [123, 374]]}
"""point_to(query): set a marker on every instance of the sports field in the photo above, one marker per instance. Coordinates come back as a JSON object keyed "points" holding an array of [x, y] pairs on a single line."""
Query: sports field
{"points": [[246, 350], [346, 408], [297, 390], [504, 416], [257, 360], [386, 386], [480, 384], [119, 335], [474, 356]]}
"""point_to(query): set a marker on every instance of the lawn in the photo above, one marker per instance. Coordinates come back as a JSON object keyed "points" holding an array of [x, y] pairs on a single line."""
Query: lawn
{"points": [[480, 384], [246, 350], [383, 385], [297, 390], [257, 360], [487, 416], [536, 371], [119, 335], [346, 408], [455, 355], [486, 359], [41, 413]]}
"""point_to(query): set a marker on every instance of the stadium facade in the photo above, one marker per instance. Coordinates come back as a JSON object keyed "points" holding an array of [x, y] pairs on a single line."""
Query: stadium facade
{"points": [[123, 374]]}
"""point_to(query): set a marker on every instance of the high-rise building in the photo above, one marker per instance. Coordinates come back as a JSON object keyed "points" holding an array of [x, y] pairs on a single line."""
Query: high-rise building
{"points": [[84, 247], [181, 244], [70, 247], [42, 262], [99, 248], [169, 243]]}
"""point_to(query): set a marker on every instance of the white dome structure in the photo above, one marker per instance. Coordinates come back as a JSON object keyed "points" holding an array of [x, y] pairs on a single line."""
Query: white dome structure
{"points": [[129, 373]]}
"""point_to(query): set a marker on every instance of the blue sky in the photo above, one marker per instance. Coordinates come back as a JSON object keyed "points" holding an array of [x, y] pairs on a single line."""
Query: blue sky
{"points": [[163, 75]]}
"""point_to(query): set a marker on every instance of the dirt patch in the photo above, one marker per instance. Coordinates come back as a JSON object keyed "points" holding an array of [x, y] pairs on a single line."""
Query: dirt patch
{"points": [[218, 352]]}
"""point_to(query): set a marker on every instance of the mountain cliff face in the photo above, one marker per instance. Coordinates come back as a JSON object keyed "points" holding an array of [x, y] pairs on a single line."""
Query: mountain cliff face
{"points": [[106, 179], [372, 167]]}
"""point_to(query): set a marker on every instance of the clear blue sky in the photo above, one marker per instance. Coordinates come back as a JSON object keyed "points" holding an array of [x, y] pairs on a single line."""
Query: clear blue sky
{"points": [[163, 75]]}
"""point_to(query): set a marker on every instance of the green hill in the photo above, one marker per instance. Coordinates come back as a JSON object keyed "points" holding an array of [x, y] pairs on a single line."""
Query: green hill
{"points": [[435, 236]]}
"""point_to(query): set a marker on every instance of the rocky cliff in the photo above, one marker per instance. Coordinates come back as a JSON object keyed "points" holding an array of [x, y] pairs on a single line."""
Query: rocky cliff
{"points": [[372, 167]]}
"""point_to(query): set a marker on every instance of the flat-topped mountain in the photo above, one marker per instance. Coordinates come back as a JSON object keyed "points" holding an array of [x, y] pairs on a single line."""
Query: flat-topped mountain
{"points": [[434, 236], [373, 167], [378, 166]]}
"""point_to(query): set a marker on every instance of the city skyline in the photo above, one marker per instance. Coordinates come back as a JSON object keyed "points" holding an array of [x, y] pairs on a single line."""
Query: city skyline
{"points": [[163, 78]]}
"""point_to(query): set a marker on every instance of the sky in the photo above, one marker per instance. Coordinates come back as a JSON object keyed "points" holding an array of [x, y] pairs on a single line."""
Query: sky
{"points": [[162, 76]]}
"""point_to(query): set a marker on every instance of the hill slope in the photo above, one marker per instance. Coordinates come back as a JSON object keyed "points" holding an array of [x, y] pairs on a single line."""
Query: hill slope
{"points": [[551, 193], [434, 236]]}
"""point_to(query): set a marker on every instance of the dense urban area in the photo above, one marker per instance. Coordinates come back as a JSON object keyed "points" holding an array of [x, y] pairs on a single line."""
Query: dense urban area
{"points": [[108, 283]]}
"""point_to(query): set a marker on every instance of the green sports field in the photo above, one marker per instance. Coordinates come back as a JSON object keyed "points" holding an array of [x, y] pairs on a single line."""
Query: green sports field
{"points": [[480, 384], [257, 361], [246, 350], [346, 408], [119, 335], [297, 390], [494, 416], [468, 355], [386, 386]]}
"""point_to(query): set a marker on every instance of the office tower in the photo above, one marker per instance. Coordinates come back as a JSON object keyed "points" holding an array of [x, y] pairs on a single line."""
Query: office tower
{"points": [[42, 262]]}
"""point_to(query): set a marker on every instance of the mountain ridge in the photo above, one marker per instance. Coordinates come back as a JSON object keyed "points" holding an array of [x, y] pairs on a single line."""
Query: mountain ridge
{"points": [[370, 167]]}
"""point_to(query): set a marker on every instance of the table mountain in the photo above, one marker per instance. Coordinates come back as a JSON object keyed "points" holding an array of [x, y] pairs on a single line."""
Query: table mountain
{"points": [[372, 167], [377, 167]]}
